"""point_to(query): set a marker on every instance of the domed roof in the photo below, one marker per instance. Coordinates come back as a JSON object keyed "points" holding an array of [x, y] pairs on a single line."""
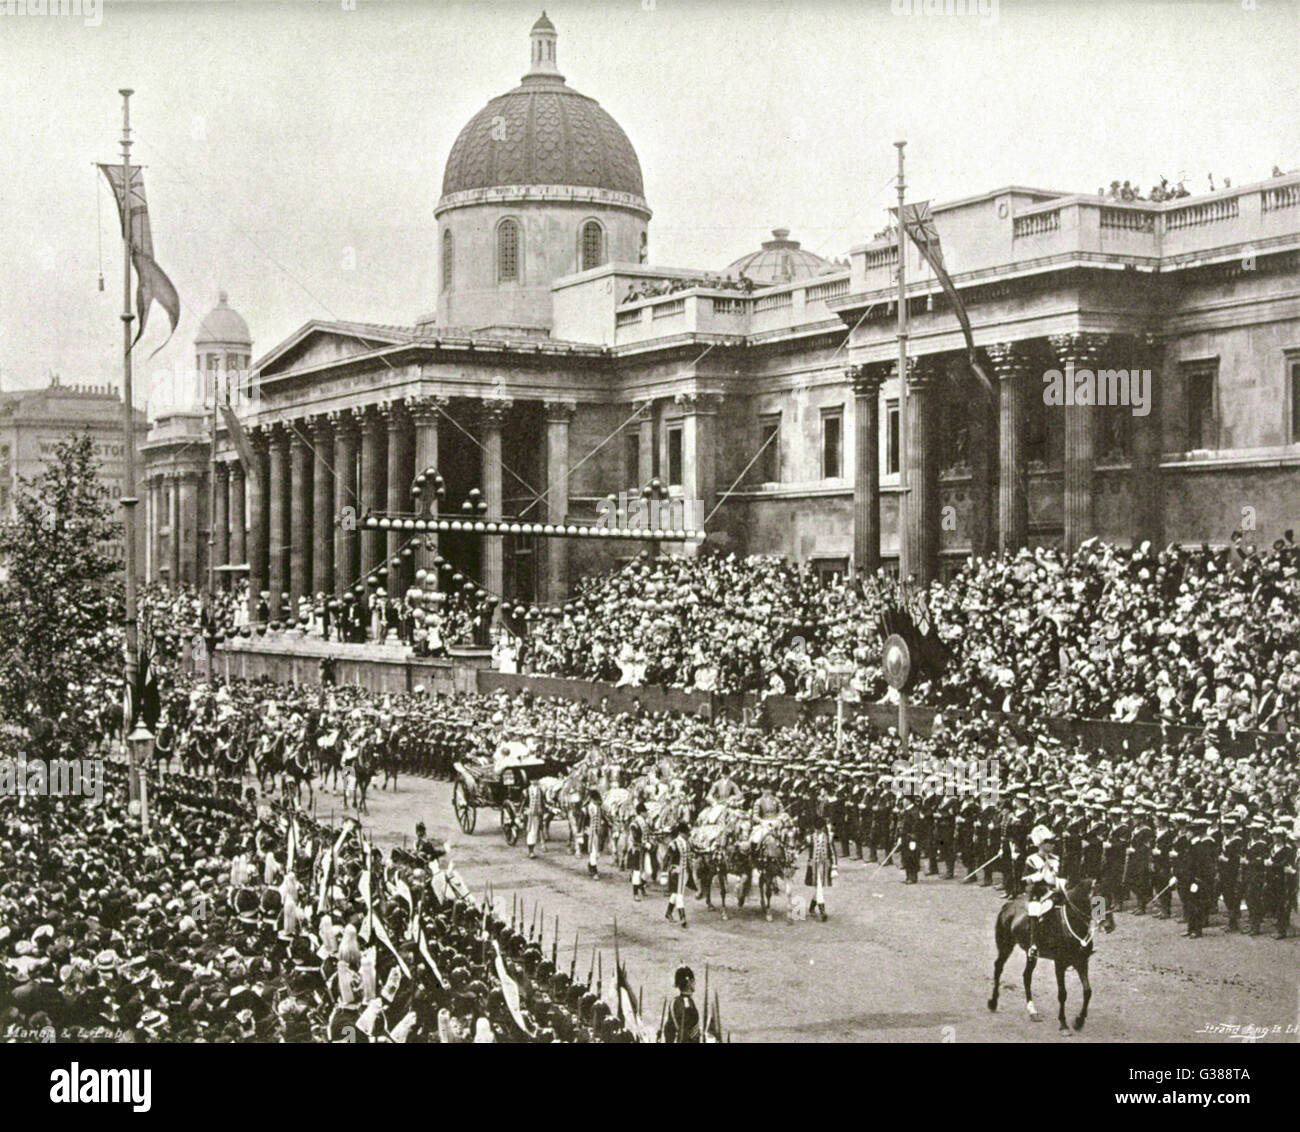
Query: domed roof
{"points": [[223, 325], [542, 133], [780, 260]]}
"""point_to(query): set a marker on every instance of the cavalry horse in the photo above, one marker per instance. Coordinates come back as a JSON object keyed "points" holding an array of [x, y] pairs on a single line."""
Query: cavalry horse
{"points": [[773, 858], [361, 775], [723, 851], [1065, 935], [297, 770]]}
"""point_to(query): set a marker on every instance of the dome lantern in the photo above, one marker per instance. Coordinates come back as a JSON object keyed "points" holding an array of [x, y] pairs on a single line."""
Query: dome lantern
{"points": [[543, 39]]}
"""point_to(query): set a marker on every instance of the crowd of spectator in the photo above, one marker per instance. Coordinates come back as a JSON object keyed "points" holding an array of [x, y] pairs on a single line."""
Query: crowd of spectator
{"points": [[653, 288]]}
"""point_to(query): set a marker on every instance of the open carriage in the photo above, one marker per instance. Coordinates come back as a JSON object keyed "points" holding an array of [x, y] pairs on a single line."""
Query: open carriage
{"points": [[500, 784]]}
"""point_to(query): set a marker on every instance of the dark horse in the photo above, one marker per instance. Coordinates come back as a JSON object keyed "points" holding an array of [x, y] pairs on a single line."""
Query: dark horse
{"points": [[1065, 935]]}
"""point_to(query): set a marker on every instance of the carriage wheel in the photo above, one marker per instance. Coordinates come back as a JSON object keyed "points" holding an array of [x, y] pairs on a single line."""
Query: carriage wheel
{"points": [[466, 814], [509, 823]]}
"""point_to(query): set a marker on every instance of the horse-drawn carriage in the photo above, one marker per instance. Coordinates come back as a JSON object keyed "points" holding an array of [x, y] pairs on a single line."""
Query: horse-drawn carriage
{"points": [[501, 784]]}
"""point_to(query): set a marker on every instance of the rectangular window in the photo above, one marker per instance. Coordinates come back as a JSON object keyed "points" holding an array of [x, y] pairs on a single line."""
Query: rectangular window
{"points": [[832, 435], [675, 456], [1293, 377], [1199, 380], [827, 569], [769, 440], [892, 439]]}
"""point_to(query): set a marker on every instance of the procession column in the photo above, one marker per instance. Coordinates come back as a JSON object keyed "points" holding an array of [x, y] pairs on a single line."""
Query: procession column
{"points": [[1012, 368], [866, 381], [300, 519], [1075, 352], [922, 532], [372, 490], [425, 412], [492, 416], [399, 490], [699, 459], [221, 523], [258, 490], [1147, 491], [174, 526], [346, 504], [276, 541], [558, 416], [322, 498], [235, 509]]}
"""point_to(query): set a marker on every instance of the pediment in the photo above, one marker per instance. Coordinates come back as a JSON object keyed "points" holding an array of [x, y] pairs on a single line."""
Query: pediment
{"points": [[321, 344]]}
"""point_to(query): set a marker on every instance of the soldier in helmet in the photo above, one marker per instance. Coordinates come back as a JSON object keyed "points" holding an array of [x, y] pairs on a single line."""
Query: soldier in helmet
{"points": [[682, 1023]]}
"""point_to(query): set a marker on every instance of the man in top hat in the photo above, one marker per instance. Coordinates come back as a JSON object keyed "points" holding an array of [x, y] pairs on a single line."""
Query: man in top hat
{"points": [[1042, 879]]}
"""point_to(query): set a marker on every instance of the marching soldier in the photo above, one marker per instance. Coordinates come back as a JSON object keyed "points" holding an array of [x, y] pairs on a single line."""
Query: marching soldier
{"points": [[882, 825], [945, 833], [1161, 857], [990, 841], [679, 872], [1076, 829], [639, 851], [928, 839], [593, 831], [1280, 880], [1139, 857], [1252, 873], [1114, 858], [1230, 868], [1200, 867], [1178, 860], [967, 833], [909, 833]]}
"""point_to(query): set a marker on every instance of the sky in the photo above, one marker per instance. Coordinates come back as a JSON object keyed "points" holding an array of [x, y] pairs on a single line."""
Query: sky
{"points": [[294, 152]]}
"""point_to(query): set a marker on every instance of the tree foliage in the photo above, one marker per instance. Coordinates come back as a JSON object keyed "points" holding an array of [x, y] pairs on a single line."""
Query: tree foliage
{"points": [[60, 603]]}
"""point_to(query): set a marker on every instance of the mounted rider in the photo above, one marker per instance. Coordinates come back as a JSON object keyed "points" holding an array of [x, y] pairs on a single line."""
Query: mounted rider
{"points": [[1042, 880], [725, 791]]}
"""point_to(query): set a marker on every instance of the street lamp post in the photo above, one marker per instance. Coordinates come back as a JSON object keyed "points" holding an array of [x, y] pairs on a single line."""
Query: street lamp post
{"points": [[140, 745]]}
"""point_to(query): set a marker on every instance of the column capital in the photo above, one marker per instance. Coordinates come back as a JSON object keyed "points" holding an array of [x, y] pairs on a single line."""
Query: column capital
{"points": [[1078, 346], [925, 371], [260, 437], [222, 469], [493, 410], [370, 419], [344, 421], [1010, 360], [298, 433], [866, 379], [560, 412], [321, 427], [426, 408], [699, 403], [394, 414]]}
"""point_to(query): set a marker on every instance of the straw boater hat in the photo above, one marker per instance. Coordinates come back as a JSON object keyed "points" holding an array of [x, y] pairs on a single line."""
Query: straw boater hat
{"points": [[1041, 834]]}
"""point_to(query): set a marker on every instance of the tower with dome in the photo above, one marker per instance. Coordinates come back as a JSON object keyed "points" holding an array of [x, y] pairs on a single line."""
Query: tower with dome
{"points": [[541, 183]]}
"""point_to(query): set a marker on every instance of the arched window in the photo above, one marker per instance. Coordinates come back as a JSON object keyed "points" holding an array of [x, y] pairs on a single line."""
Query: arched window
{"points": [[593, 246], [508, 252], [446, 258]]}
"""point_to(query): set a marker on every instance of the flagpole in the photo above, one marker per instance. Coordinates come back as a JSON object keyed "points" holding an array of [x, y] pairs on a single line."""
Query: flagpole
{"points": [[905, 563], [210, 629], [128, 489]]}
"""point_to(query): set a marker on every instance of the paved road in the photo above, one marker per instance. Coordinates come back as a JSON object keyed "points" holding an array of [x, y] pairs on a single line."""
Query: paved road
{"points": [[894, 963]]}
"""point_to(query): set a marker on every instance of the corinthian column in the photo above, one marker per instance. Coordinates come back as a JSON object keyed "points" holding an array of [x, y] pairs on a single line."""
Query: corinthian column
{"points": [[492, 416], [866, 380], [347, 510], [558, 416], [322, 497], [235, 509], [1012, 367], [373, 474], [221, 522], [398, 421], [922, 533], [425, 412], [258, 490], [1076, 352], [300, 526], [276, 531], [1147, 491]]}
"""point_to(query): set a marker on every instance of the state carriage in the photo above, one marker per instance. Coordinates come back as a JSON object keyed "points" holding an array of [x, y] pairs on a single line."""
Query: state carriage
{"points": [[501, 784]]}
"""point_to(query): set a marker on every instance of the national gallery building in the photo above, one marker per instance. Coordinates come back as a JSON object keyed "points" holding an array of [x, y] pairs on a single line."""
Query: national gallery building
{"points": [[558, 368]]}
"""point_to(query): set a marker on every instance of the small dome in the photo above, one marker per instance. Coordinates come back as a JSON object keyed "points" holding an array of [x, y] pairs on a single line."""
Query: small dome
{"points": [[223, 325], [780, 260], [543, 24]]}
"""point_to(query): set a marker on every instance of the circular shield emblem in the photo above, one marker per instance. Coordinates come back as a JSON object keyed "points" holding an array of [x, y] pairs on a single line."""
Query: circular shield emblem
{"points": [[896, 661]]}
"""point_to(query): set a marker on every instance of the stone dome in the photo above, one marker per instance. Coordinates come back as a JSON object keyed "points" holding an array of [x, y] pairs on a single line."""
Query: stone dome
{"points": [[542, 133], [223, 325], [780, 260]]}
